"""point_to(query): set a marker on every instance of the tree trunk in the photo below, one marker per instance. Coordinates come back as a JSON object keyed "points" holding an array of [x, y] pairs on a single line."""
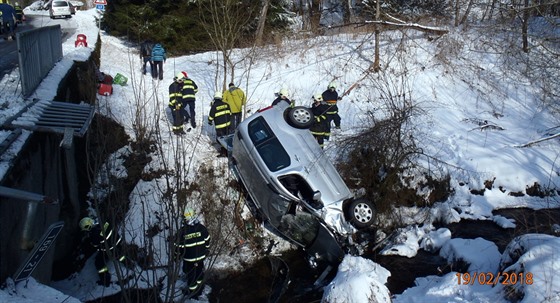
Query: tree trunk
{"points": [[262, 21], [525, 26], [375, 66]]}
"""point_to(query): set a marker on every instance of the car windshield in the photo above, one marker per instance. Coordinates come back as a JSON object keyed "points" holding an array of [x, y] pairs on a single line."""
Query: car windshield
{"points": [[269, 148], [60, 3]]}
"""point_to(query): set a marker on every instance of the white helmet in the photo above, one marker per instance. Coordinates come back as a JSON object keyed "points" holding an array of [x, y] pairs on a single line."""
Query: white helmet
{"points": [[86, 223], [318, 97], [332, 85], [218, 95], [181, 76], [283, 93], [190, 215]]}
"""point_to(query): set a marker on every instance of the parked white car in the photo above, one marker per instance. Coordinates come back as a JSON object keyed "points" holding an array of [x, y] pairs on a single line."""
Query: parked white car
{"points": [[60, 9]]}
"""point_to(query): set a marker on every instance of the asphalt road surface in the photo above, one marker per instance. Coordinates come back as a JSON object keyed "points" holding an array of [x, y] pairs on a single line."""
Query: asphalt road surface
{"points": [[8, 48]]}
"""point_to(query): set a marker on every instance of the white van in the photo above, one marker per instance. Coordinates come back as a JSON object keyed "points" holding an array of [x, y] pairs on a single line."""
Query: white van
{"points": [[60, 8]]}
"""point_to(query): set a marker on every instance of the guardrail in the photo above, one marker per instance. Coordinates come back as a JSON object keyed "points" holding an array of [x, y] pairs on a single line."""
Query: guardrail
{"points": [[38, 51]]}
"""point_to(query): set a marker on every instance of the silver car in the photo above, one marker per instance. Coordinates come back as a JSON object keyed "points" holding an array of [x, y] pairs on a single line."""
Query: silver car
{"points": [[293, 184], [60, 8]]}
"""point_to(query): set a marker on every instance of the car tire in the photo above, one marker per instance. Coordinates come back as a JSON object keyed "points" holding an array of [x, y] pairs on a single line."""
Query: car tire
{"points": [[300, 117], [361, 213]]}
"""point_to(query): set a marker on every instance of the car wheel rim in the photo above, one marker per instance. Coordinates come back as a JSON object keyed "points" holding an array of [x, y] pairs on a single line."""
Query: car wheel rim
{"points": [[301, 115], [363, 213]]}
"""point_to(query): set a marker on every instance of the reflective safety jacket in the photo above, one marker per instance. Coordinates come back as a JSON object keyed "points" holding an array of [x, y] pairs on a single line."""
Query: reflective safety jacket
{"points": [[189, 90], [175, 95], [192, 242], [279, 99], [103, 237], [220, 114], [330, 96], [236, 98], [320, 112]]}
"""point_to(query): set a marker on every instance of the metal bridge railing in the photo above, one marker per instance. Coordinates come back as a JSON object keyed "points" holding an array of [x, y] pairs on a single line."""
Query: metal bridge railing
{"points": [[38, 51]]}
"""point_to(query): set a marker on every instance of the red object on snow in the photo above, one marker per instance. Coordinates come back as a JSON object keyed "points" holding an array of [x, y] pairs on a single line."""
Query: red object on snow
{"points": [[81, 40], [107, 79], [105, 89]]}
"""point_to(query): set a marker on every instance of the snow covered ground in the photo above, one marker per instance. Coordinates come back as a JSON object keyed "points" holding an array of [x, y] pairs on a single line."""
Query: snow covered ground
{"points": [[455, 111]]}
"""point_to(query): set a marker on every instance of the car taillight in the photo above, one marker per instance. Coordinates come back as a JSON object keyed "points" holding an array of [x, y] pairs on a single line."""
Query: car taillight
{"points": [[263, 109]]}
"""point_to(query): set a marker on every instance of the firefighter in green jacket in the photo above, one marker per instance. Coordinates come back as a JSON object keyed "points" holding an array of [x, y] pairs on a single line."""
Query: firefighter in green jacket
{"points": [[236, 99]]}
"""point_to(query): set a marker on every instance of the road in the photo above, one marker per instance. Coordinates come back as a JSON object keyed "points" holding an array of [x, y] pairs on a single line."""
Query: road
{"points": [[8, 48]]}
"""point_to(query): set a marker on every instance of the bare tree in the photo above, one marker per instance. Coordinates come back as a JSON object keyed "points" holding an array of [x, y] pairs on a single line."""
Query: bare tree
{"points": [[225, 21]]}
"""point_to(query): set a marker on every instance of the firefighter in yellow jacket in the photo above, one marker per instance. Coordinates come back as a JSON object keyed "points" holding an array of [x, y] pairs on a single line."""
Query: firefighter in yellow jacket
{"points": [[236, 99]]}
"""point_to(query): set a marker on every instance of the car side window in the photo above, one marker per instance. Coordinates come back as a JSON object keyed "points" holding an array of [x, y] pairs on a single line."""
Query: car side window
{"points": [[297, 186], [269, 148]]}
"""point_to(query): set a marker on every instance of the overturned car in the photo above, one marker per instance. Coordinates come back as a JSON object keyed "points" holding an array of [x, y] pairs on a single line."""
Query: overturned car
{"points": [[293, 185]]}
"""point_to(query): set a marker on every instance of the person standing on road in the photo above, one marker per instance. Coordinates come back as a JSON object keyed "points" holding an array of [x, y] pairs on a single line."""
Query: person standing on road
{"points": [[176, 112], [8, 20], [330, 96], [236, 99], [189, 91], [146, 54], [158, 58], [319, 127], [192, 243], [220, 116]]}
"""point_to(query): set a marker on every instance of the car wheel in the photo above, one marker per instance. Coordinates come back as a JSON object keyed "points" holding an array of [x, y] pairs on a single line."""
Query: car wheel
{"points": [[300, 117], [361, 213]]}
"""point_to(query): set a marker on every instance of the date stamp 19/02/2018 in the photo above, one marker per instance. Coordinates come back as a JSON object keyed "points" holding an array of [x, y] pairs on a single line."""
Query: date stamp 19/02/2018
{"points": [[488, 278]]}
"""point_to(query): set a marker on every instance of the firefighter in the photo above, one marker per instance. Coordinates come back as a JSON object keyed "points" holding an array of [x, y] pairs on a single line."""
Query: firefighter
{"points": [[192, 244], [176, 113], [330, 96], [319, 109], [108, 244], [282, 95], [220, 116], [19, 13], [189, 91]]}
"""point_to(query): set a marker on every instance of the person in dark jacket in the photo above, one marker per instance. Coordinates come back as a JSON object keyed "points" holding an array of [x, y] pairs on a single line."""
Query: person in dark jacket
{"points": [[282, 96], [189, 97], [8, 14], [146, 54], [108, 244], [192, 243], [158, 58], [220, 116], [178, 115], [330, 96], [319, 127]]}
